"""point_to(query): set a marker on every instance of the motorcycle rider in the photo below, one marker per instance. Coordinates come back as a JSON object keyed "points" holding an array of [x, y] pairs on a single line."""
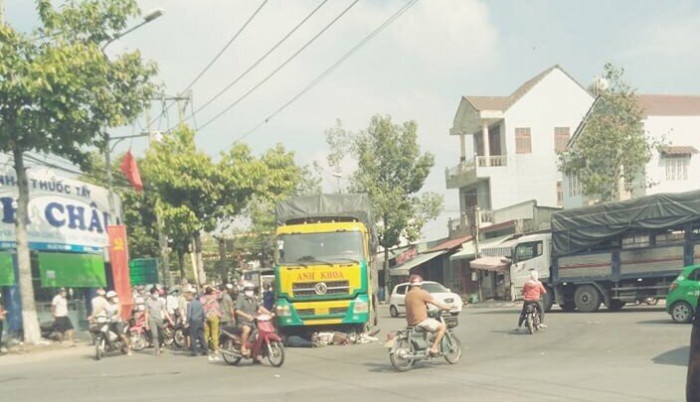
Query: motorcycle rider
{"points": [[532, 294], [113, 311], [417, 301], [247, 307]]}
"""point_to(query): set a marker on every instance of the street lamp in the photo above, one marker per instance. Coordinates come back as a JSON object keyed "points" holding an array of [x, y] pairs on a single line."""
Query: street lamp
{"points": [[151, 16]]}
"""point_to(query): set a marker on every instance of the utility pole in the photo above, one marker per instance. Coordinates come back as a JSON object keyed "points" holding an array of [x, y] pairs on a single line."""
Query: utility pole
{"points": [[2, 14], [477, 221]]}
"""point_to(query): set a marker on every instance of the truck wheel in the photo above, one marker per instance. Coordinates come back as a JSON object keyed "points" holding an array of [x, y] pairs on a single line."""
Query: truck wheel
{"points": [[616, 305], [548, 299], [587, 299], [681, 312], [568, 306]]}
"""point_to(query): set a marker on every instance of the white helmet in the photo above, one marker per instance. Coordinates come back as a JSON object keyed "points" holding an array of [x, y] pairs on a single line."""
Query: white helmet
{"points": [[111, 294], [534, 275]]}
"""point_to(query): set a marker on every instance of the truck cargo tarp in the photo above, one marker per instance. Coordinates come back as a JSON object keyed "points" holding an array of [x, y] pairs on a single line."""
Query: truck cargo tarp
{"points": [[578, 229], [355, 206]]}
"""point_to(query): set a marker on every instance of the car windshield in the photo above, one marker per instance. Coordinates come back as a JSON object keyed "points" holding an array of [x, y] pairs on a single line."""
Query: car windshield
{"points": [[330, 247], [434, 288]]}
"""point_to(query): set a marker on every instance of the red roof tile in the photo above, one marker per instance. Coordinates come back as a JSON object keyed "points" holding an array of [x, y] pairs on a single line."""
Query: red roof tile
{"points": [[449, 244], [678, 150], [670, 105]]}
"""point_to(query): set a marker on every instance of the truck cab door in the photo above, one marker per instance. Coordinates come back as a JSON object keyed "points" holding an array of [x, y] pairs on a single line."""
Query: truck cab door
{"points": [[528, 256]]}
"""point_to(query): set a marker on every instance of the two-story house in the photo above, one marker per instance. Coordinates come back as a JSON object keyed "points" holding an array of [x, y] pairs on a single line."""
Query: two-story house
{"points": [[509, 144], [673, 121]]}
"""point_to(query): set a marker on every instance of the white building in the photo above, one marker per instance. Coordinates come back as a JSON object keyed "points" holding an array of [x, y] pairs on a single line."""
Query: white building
{"points": [[673, 120], [508, 145]]}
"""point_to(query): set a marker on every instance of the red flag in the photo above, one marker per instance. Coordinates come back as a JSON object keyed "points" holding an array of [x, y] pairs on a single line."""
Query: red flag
{"points": [[131, 171], [119, 259]]}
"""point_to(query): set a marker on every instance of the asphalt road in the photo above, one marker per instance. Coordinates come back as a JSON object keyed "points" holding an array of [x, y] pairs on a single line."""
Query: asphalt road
{"points": [[633, 355]]}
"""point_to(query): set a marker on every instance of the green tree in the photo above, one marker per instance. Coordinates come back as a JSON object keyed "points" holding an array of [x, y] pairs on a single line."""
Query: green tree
{"points": [[59, 93], [392, 170], [612, 149]]}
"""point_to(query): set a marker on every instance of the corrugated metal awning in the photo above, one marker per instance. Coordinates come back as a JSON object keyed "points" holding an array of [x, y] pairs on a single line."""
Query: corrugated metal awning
{"points": [[490, 264], [405, 268]]}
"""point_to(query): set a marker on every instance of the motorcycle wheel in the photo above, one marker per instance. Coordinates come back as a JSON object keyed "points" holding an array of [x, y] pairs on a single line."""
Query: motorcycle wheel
{"points": [[138, 341], [168, 335], [452, 348], [530, 324], [99, 348], [230, 360], [275, 353], [179, 338], [397, 354]]}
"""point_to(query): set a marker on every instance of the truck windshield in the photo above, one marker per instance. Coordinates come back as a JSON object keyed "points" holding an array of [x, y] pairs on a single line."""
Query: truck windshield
{"points": [[323, 247]]}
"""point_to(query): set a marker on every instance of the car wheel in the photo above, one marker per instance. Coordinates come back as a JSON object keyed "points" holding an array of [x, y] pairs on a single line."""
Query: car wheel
{"points": [[393, 311], [682, 312]]}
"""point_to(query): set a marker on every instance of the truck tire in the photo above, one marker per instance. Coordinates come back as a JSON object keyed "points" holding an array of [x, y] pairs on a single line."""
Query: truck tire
{"points": [[587, 299], [568, 306], [616, 305]]}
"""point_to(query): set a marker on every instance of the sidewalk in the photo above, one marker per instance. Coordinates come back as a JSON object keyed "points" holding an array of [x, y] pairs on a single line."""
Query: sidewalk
{"points": [[31, 354]]}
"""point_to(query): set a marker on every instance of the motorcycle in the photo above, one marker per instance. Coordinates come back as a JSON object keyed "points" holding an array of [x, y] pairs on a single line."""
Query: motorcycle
{"points": [[413, 344], [138, 336], [107, 340], [532, 318], [262, 342]]}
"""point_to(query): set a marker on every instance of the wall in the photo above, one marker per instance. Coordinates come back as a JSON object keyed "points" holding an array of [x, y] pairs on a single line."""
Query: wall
{"points": [[678, 131], [556, 101]]}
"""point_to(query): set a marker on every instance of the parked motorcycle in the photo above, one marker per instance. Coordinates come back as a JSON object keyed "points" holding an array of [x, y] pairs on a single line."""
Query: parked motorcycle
{"points": [[106, 340], [413, 344], [138, 336], [532, 318], [263, 342]]}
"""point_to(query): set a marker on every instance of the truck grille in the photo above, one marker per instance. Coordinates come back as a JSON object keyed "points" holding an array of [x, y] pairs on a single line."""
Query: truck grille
{"points": [[321, 288], [305, 311], [338, 310]]}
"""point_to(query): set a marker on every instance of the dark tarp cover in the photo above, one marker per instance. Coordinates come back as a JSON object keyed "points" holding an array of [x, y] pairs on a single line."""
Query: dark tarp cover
{"points": [[356, 206], [577, 229]]}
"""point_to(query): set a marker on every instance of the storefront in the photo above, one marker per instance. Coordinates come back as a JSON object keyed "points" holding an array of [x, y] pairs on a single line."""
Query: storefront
{"points": [[67, 239]]}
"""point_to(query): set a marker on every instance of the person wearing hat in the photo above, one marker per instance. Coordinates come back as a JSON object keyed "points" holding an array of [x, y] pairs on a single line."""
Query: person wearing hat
{"points": [[194, 320], [59, 311], [417, 301]]}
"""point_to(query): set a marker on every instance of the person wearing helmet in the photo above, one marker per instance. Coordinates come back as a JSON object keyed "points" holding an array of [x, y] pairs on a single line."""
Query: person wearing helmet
{"points": [[417, 301], [532, 294], [247, 307], [113, 312], [98, 301]]}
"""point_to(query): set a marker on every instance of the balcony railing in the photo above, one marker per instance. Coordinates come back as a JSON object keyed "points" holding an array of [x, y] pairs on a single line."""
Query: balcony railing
{"points": [[464, 225], [492, 161]]}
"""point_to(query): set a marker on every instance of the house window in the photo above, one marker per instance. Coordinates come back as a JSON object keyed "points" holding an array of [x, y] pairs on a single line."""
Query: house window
{"points": [[561, 138], [574, 186], [677, 167], [560, 194], [523, 141]]}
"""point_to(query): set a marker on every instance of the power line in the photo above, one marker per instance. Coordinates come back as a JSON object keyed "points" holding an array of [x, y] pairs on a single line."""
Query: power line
{"points": [[264, 56], [275, 71], [330, 69], [211, 63]]}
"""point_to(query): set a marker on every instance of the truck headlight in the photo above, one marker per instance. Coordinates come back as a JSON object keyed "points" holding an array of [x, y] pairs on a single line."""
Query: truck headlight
{"points": [[283, 311], [360, 307]]}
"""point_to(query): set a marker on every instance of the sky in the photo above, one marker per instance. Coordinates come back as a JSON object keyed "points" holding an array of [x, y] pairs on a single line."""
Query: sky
{"points": [[416, 69]]}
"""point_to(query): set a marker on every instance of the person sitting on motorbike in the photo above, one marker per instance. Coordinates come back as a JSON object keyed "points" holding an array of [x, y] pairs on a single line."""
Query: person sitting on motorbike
{"points": [[532, 294], [417, 301], [247, 307], [116, 325]]}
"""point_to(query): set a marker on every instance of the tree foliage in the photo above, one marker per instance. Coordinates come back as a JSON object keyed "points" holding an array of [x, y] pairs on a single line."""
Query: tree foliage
{"points": [[392, 170], [612, 147], [59, 93]]}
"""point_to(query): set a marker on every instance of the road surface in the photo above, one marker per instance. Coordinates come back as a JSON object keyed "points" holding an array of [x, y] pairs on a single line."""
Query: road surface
{"points": [[633, 355]]}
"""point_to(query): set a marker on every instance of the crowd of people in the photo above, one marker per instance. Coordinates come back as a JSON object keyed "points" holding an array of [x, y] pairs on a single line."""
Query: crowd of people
{"points": [[200, 311]]}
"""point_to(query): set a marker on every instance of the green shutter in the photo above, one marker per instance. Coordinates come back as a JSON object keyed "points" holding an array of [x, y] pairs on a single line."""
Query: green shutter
{"points": [[71, 270], [7, 269]]}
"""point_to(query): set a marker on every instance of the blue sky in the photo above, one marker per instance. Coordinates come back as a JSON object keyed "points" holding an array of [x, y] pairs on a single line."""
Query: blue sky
{"points": [[416, 69]]}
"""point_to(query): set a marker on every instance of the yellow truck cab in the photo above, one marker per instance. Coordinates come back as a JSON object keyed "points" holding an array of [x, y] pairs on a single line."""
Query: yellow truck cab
{"points": [[323, 267]]}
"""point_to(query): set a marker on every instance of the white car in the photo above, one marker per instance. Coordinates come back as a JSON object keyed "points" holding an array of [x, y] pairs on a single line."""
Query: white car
{"points": [[397, 304]]}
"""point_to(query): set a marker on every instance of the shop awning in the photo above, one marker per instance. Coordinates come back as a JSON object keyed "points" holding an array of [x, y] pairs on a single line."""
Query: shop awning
{"points": [[487, 247], [468, 252], [405, 268], [490, 264]]}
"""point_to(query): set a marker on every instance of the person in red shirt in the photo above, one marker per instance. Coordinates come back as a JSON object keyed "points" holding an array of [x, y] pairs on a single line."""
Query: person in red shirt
{"points": [[532, 293]]}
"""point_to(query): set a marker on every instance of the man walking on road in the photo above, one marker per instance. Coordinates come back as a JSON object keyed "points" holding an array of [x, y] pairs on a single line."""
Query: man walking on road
{"points": [[155, 312], [59, 310], [195, 322]]}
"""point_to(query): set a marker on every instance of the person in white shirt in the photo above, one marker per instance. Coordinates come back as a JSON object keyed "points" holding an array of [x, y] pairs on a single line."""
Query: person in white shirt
{"points": [[59, 310]]}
